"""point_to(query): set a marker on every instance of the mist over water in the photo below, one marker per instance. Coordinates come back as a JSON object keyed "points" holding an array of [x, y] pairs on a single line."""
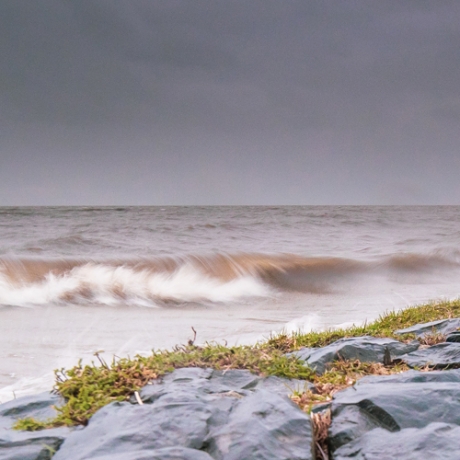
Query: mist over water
{"points": [[126, 280]]}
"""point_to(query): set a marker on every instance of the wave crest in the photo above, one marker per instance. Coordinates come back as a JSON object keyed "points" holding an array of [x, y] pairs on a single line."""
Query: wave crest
{"points": [[190, 279]]}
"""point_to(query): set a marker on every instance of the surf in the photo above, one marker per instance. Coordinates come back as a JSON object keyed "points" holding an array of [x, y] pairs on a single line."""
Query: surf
{"points": [[209, 278]]}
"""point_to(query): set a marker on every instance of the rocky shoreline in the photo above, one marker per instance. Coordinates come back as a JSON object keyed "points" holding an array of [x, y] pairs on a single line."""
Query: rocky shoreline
{"points": [[200, 413]]}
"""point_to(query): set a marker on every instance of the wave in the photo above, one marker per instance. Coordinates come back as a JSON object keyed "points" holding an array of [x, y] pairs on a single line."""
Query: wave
{"points": [[213, 278]]}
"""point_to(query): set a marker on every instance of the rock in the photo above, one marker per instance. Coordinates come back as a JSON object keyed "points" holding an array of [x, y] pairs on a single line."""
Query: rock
{"points": [[208, 381], [40, 407], [441, 356], [263, 426], [392, 404], [436, 441], [413, 377], [443, 326], [124, 428], [168, 453], [202, 414], [366, 349], [25, 445]]}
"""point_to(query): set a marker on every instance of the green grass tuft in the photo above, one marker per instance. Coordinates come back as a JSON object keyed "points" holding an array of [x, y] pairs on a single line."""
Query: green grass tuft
{"points": [[31, 424]]}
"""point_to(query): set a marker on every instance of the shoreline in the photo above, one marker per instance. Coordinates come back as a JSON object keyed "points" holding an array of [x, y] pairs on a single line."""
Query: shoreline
{"points": [[326, 362]]}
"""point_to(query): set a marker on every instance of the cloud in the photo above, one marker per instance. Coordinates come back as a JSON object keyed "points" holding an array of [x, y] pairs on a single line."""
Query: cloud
{"points": [[316, 92]]}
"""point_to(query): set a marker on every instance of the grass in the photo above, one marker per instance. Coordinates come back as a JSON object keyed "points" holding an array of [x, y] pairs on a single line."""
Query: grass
{"points": [[385, 326], [87, 388]]}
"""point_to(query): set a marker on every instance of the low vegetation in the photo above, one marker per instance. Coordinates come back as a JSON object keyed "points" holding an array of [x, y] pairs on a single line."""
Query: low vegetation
{"points": [[86, 388]]}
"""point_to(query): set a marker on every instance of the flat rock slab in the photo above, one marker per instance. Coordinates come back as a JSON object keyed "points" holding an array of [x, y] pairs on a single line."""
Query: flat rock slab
{"points": [[198, 414], [443, 326], [366, 349], [411, 400], [441, 356]]}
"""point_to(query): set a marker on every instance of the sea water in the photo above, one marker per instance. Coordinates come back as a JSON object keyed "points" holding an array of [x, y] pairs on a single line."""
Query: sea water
{"points": [[126, 280]]}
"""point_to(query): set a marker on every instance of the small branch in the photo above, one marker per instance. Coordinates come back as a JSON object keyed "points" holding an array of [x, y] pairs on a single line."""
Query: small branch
{"points": [[138, 398], [192, 342], [323, 454]]}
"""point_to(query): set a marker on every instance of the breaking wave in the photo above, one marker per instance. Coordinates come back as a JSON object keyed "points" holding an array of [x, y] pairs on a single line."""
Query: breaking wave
{"points": [[216, 278]]}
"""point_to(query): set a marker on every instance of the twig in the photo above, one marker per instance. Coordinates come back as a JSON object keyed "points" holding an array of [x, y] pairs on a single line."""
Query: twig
{"points": [[323, 454], [138, 398], [191, 342]]}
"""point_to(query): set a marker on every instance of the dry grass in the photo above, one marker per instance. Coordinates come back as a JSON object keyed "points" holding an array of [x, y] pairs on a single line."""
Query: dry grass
{"points": [[338, 376], [321, 422], [432, 338]]}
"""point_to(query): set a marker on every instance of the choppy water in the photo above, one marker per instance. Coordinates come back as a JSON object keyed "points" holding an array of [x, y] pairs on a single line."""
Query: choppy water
{"points": [[126, 280]]}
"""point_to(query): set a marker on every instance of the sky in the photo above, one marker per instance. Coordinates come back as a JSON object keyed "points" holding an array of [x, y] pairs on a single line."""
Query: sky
{"points": [[235, 102]]}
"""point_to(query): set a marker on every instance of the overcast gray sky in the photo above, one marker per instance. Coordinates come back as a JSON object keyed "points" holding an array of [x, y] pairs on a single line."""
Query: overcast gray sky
{"points": [[229, 102]]}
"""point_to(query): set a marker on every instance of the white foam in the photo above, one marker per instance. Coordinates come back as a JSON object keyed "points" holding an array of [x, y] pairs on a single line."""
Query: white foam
{"points": [[108, 285], [302, 325]]}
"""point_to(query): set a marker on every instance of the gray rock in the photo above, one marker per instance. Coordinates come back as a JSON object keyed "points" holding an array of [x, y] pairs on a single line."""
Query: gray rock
{"points": [[436, 441], [128, 429], [196, 414], [394, 404], [40, 407], [441, 356], [366, 349], [24, 445], [412, 376], [208, 381], [263, 426], [167, 453], [443, 326]]}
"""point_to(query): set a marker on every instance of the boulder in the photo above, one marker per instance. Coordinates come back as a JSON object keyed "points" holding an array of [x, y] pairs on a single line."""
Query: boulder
{"points": [[209, 381], [174, 420], [41, 407], [167, 453], [263, 426], [25, 445], [436, 441], [366, 349], [412, 376], [197, 414], [441, 356], [442, 326], [392, 404]]}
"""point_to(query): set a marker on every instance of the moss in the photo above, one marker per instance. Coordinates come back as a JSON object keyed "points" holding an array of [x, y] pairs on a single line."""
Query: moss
{"points": [[31, 424], [86, 388]]}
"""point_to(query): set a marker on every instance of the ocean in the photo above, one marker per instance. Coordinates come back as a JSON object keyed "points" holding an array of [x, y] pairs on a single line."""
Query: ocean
{"points": [[126, 280]]}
